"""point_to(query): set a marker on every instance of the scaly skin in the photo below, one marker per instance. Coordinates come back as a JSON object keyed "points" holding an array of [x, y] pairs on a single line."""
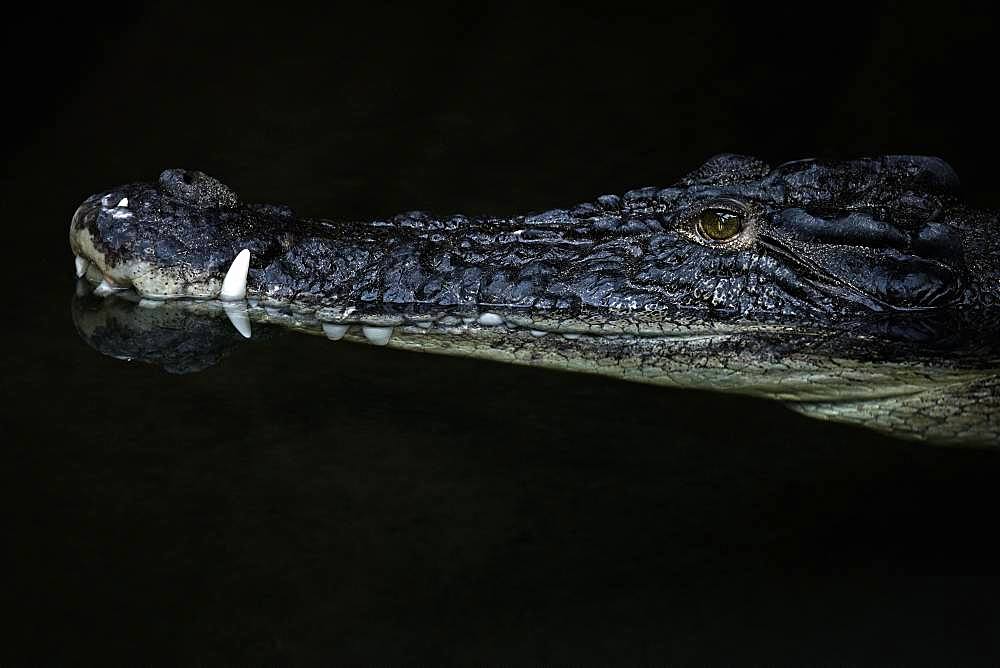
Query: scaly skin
{"points": [[863, 291]]}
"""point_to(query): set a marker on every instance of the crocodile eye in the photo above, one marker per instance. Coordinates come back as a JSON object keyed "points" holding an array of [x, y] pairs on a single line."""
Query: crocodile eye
{"points": [[719, 224]]}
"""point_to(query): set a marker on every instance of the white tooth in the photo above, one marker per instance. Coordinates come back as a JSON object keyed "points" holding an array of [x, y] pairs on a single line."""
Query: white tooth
{"points": [[334, 332], [234, 285], [238, 315], [123, 202], [537, 332], [105, 288], [571, 336], [490, 319], [81, 266], [377, 335], [151, 303]]}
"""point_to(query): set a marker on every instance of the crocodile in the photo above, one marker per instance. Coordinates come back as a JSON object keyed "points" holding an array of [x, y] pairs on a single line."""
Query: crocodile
{"points": [[863, 290]]}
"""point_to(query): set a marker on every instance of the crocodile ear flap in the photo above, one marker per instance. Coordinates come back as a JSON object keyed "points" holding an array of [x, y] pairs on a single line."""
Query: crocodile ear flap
{"points": [[727, 168], [198, 188], [921, 173]]}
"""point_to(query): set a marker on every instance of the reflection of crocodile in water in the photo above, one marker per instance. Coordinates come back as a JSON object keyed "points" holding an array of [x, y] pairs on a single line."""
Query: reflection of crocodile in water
{"points": [[863, 291]]}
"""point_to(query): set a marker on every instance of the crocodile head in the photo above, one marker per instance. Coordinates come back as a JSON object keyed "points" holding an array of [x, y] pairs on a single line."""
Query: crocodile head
{"points": [[733, 241], [863, 291]]}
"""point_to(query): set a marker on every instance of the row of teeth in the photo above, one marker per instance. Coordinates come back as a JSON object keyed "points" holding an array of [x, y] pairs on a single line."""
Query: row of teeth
{"points": [[380, 335]]}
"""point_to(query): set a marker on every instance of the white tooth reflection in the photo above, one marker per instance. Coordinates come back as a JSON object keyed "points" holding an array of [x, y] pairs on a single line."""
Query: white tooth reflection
{"points": [[123, 202], [105, 288], [234, 285], [334, 332], [81, 266], [490, 319], [237, 314], [377, 335]]}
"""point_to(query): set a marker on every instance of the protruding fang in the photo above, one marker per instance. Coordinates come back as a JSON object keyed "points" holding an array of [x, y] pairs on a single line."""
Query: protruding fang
{"points": [[234, 285], [377, 335], [81, 266], [334, 332], [124, 202], [105, 288], [237, 314], [490, 319]]}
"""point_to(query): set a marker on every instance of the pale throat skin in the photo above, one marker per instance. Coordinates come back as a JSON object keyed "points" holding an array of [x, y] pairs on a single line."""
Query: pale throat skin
{"points": [[862, 290]]}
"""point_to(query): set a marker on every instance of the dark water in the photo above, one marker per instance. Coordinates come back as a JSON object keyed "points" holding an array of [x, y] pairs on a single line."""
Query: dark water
{"points": [[307, 501]]}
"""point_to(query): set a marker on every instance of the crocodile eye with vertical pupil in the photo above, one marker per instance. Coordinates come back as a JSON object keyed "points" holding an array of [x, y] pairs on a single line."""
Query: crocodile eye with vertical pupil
{"points": [[719, 224]]}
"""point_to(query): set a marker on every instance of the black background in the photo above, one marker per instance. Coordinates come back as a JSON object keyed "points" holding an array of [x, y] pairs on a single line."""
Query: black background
{"points": [[311, 502]]}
